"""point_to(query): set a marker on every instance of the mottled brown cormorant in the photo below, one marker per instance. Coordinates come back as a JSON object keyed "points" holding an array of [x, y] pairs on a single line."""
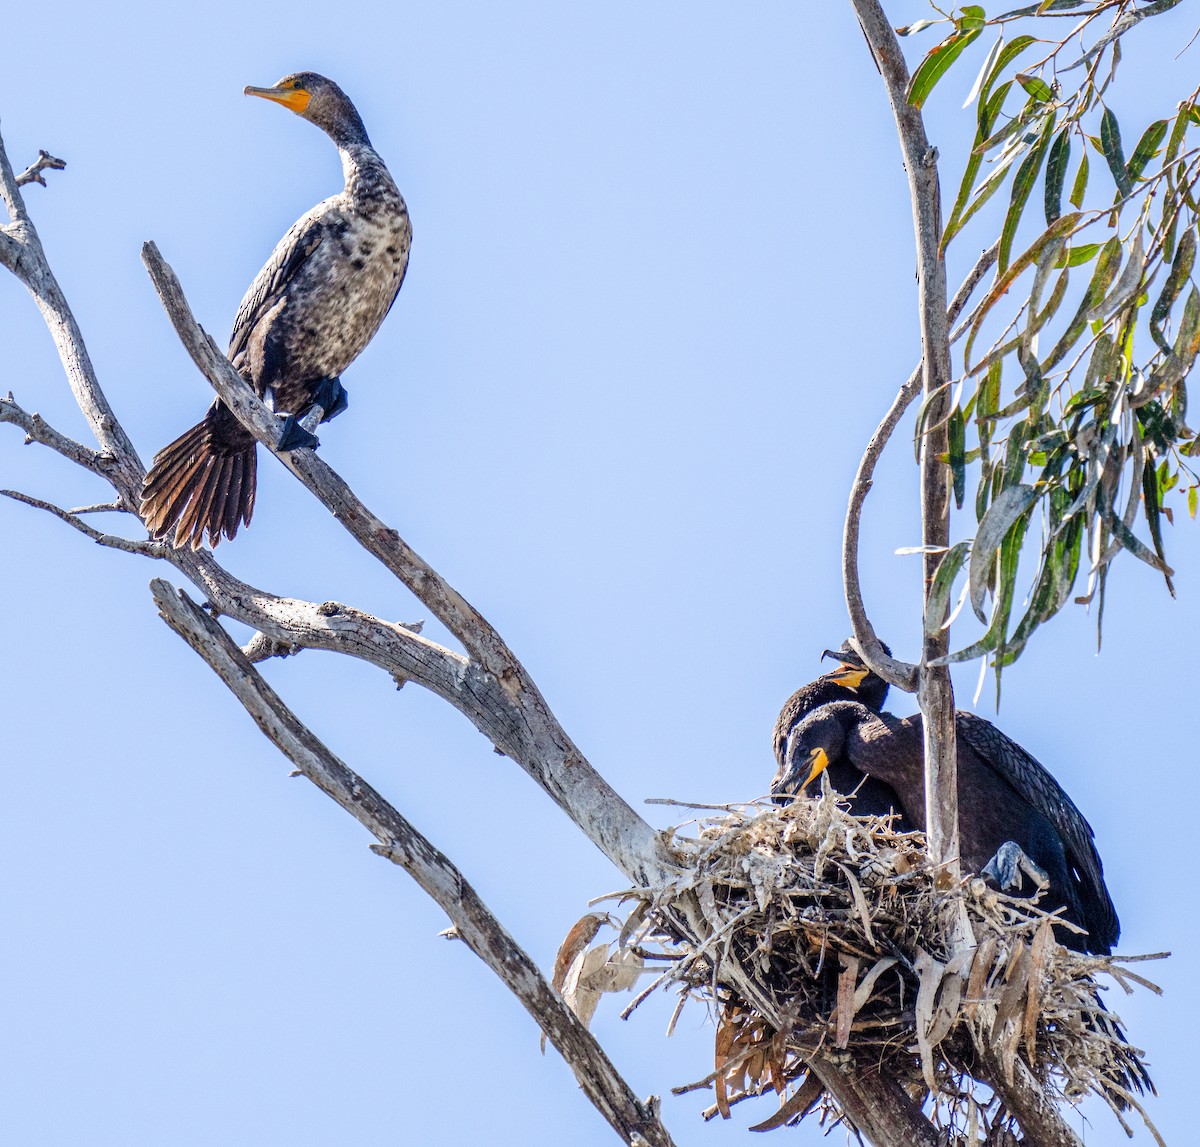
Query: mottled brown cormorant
{"points": [[1006, 801], [308, 314], [850, 681]]}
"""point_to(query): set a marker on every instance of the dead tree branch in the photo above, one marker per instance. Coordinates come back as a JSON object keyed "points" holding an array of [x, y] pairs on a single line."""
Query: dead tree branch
{"points": [[23, 255], [635, 1121], [38, 430], [554, 762], [44, 162]]}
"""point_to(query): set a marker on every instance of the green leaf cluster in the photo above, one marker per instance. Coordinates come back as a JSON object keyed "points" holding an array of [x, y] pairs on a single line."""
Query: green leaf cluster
{"points": [[1075, 362]]}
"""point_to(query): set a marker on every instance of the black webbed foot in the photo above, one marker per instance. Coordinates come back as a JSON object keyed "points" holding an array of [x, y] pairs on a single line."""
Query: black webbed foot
{"points": [[1005, 868], [330, 395], [295, 437]]}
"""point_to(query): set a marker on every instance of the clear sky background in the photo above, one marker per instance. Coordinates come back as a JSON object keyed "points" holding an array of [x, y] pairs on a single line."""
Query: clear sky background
{"points": [[661, 291]]}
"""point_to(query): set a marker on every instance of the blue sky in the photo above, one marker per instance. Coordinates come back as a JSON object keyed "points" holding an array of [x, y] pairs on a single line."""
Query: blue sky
{"points": [[660, 292]]}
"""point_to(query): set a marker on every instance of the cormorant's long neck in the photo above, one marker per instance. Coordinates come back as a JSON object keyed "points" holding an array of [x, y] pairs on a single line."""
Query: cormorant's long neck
{"points": [[888, 749], [358, 160], [805, 700], [354, 146]]}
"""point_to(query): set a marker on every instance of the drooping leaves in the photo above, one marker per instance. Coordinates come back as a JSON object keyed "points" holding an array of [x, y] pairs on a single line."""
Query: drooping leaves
{"points": [[1078, 416]]}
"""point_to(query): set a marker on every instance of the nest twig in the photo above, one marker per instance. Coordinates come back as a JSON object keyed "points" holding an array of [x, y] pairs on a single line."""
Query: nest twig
{"points": [[841, 920]]}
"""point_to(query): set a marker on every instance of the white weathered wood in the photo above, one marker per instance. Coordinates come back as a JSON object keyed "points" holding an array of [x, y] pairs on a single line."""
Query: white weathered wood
{"points": [[22, 254]]}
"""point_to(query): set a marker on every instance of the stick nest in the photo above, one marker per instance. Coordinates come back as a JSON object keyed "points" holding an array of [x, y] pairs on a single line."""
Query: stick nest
{"points": [[843, 934]]}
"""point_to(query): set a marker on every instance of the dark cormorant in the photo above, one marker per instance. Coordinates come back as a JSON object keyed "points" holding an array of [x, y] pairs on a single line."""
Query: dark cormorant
{"points": [[308, 314], [1005, 799], [850, 681]]}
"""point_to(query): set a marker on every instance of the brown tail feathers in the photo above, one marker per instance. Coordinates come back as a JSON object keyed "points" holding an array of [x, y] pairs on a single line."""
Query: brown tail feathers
{"points": [[202, 483]]}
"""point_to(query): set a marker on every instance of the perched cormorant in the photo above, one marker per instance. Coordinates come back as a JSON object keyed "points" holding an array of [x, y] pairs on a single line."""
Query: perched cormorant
{"points": [[1005, 799], [308, 314], [850, 681]]}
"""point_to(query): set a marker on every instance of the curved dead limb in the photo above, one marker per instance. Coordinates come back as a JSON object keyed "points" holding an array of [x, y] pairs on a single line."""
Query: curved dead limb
{"points": [[899, 673]]}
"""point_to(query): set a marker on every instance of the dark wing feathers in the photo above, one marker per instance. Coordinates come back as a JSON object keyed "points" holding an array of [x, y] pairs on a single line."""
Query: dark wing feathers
{"points": [[290, 254], [1031, 781]]}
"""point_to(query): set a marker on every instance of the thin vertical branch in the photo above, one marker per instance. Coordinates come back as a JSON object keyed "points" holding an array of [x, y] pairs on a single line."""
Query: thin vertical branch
{"points": [[934, 692]]}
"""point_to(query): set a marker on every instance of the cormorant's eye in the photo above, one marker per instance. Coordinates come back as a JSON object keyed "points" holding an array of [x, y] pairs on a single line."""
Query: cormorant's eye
{"points": [[297, 84]]}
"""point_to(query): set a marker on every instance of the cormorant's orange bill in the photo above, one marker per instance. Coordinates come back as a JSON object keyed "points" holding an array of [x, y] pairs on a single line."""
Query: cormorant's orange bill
{"points": [[291, 97], [852, 676], [818, 761]]}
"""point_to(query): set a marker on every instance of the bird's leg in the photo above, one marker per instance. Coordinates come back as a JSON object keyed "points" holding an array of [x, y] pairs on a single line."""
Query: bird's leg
{"points": [[331, 396], [295, 436], [329, 400], [1005, 868]]}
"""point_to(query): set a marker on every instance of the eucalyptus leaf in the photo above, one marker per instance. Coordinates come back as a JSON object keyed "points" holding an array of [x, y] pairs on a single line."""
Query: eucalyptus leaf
{"points": [[1005, 509], [1060, 227], [989, 62], [1127, 285], [1078, 255], [1023, 183], [1035, 86], [1144, 152], [1110, 144], [938, 601], [1079, 187], [937, 63], [1107, 266], [1181, 269], [1056, 174], [1010, 52], [1130, 541], [957, 437]]}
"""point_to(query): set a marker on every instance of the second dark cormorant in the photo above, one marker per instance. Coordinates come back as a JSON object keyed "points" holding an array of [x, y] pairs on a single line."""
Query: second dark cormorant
{"points": [[308, 314], [850, 681], [1005, 798]]}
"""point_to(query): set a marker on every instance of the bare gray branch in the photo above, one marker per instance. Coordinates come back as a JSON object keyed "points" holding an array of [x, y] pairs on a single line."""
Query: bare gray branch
{"points": [[401, 843], [44, 162]]}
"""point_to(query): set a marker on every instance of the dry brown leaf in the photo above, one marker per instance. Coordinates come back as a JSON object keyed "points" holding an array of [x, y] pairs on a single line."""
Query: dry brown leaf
{"points": [[981, 966], [1038, 952], [929, 972], [1005, 1041], [636, 918], [582, 933], [708, 905], [863, 992], [578, 991], [860, 904], [845, 999], [621, 971], [799, 1104], [722, 1045], [949, 996]]}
